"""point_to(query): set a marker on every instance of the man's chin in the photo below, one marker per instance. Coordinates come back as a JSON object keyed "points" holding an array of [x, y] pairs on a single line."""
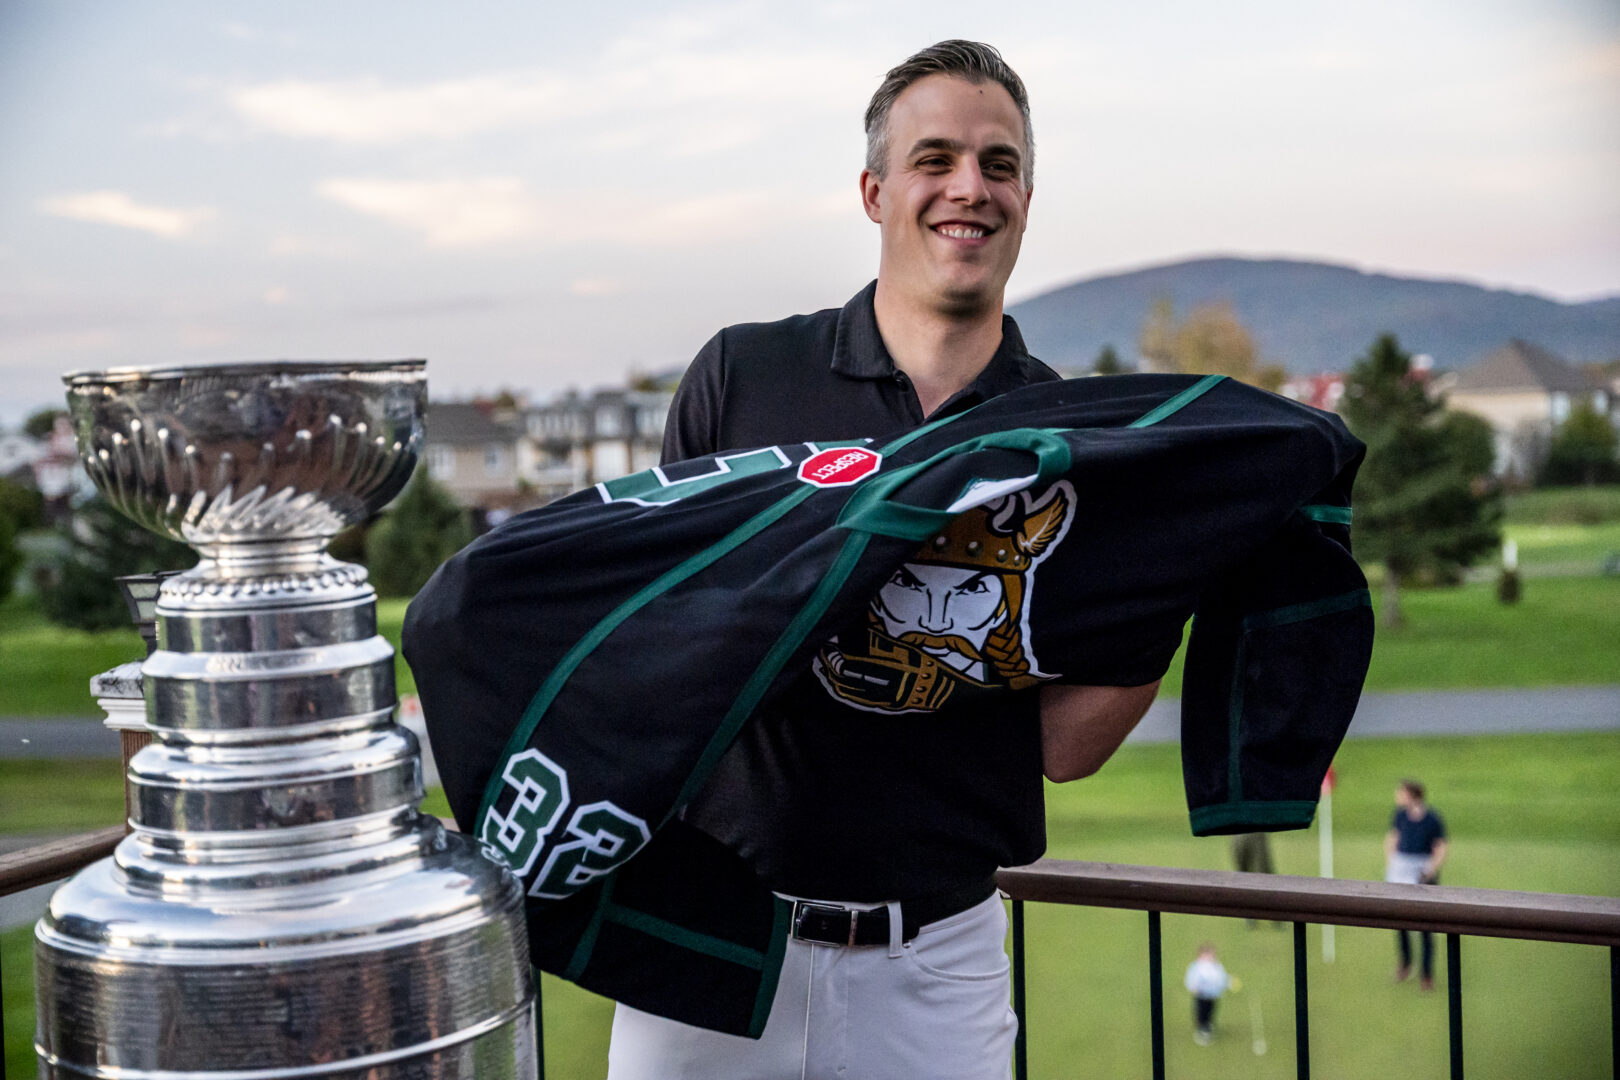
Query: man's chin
{"points": [[964, 298]]}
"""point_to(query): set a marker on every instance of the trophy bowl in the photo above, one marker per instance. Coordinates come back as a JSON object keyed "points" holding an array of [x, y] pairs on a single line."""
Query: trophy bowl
{"points": [[250, 452]]}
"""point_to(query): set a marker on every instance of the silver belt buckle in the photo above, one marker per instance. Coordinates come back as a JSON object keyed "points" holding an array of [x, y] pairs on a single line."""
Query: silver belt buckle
{"points": [[801, 908]]}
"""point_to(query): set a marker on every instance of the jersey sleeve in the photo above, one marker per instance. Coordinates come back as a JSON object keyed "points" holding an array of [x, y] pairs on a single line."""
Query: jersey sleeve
{"points": [[693, 427], [1439, 826]]}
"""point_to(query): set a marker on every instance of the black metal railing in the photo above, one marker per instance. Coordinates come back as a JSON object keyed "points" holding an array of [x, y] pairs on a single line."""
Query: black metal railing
{"points": [[1454, 912]]}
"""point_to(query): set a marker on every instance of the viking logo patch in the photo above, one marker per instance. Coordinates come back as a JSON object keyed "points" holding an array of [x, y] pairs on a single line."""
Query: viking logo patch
{"points": [[955, 619]]}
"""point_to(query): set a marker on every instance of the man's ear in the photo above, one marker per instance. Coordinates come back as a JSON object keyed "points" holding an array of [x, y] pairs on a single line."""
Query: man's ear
{"points": [[870, 184]]}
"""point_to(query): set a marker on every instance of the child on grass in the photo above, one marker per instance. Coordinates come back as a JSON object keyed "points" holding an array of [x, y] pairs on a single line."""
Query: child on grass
{"points": [[1206, 980]]}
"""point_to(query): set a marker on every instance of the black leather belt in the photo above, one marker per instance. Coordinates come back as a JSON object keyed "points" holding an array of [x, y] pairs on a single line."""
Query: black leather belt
{"points": [[834, 924]]}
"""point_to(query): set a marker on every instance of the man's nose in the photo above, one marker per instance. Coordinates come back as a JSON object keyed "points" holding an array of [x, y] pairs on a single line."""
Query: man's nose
{"points": [[967, 184]]}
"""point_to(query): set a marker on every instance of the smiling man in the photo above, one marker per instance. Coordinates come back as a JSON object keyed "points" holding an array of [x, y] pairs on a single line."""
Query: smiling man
{"points": [[905, 766]]}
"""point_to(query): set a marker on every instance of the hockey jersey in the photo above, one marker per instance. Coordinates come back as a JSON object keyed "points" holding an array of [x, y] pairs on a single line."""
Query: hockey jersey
{"points": [[583, 666]]}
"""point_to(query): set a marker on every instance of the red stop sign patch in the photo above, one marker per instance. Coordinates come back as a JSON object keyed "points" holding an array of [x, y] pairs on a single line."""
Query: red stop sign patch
{"points": [[840, 466]]}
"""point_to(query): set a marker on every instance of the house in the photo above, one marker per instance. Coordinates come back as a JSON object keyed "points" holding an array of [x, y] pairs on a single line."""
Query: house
{"points": [[473, 451], [18, 452], [1525, 391], [578, 440], [1320, 391]]}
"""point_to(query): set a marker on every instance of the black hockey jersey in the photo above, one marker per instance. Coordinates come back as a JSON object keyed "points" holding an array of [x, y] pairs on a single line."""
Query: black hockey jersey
{"points": [[583, 666]]}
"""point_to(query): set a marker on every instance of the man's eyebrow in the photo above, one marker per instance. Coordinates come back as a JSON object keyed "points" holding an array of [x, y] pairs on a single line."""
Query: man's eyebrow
{"points": [[937, 144], [955, 147]]}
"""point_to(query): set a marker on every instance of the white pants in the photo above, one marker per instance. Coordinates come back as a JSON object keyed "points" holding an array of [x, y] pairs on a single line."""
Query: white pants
{"points": [[934, 1008]]}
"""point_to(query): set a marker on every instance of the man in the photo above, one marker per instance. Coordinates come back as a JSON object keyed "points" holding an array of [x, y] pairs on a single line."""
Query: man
{"points": [[904, 768], [1414, 848]]}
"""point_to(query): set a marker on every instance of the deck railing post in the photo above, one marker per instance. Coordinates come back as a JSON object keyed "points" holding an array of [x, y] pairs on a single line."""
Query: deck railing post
{"points": [[539, 1029], [1454, 1001], [1302, 1007], [1156, 993], [1021, 1040]]}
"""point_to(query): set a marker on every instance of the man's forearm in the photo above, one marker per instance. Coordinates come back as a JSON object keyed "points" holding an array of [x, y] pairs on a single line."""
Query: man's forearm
{"points": [[1082, 726]]}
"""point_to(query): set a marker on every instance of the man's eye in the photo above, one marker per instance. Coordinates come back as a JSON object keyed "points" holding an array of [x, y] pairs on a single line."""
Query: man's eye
{"points": [[1001, 168], [976, 587], [905, 579]]}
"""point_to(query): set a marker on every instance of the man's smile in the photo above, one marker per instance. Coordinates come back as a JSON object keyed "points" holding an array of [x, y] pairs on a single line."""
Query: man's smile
{"points": [[962, 230]]}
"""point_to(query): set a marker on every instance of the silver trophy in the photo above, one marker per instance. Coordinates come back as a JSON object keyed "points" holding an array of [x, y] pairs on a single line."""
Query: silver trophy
{"points": [[280, 908]]}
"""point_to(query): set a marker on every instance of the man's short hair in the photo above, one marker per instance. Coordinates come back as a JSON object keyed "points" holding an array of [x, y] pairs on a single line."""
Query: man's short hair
{"points": [[1413, 788], [971, 60]]}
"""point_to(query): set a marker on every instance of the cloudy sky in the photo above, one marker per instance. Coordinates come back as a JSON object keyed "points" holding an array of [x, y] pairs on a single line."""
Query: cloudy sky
{"points": [[548, 195]]}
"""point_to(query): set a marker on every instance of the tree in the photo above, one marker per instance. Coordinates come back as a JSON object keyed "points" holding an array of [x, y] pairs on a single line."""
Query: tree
{"points": [[1583, 449], [10, 557], [1108, 362], [1157, 341], [40, 422], [21, 505], [422, 529], [1422, 503], [79, 591], [1211, 340], [1470, 441]]}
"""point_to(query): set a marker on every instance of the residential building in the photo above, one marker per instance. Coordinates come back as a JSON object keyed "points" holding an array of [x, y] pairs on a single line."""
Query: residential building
{"points": [[1525, 391], [473, 452], [18, 452], [578, 440], [1321, 391]]}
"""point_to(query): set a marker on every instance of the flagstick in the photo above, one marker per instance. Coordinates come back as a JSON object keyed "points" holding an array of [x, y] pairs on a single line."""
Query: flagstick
{"points": [[1324, 834]]}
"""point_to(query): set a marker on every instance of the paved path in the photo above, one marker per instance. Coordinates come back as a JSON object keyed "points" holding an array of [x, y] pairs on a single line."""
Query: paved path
{"points": [[76, 737], [1446, 712], [57, 737]]}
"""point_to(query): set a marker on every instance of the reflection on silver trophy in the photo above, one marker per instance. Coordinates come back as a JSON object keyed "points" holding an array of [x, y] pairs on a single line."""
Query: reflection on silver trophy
{"points": [[280, 907]]}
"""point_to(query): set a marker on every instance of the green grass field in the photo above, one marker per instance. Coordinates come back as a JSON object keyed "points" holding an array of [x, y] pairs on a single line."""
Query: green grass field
{"points": [[1531, 812], [1564, 506]]}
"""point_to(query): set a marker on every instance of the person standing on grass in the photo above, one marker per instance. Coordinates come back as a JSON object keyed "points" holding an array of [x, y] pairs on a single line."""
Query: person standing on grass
{"points": [[1206, 981], [1413, 851]]}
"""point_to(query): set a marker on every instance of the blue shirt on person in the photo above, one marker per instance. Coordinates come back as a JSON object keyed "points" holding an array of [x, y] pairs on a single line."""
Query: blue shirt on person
{"points": [[1417, 837]]}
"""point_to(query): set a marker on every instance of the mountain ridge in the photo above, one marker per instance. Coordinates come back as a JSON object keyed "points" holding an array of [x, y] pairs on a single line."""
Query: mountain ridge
{"points": [[1311, 316]]}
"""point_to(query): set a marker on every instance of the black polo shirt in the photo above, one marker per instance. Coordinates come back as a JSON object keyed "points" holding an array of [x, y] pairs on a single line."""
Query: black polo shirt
{"points": [[822, 376], [824, 800]]}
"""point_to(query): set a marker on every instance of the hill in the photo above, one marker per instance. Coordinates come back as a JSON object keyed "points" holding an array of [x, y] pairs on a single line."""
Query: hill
{"points": [[1313, 316]]}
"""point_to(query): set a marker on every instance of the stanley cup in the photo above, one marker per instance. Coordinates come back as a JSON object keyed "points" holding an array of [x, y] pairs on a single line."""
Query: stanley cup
{"points": [[280, 908]]}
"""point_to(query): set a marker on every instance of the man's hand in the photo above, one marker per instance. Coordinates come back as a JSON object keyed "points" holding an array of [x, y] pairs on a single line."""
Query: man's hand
{"points": [[1082, 726], [1431, 869]]}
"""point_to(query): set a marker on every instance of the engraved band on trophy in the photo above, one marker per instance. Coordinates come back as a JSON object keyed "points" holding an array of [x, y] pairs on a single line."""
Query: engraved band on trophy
{"points": [[280, 908]]}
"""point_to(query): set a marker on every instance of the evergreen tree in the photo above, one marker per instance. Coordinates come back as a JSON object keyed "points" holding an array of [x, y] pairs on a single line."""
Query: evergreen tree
{"points": [[1108, 362], [41, 422], [422, 529], [10, 557], [1422, 506], [103, 545], [22, 505], [1582, 449]]}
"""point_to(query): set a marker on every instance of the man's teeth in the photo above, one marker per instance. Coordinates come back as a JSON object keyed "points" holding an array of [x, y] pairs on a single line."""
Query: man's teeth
{"points": [[960, 232]]}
